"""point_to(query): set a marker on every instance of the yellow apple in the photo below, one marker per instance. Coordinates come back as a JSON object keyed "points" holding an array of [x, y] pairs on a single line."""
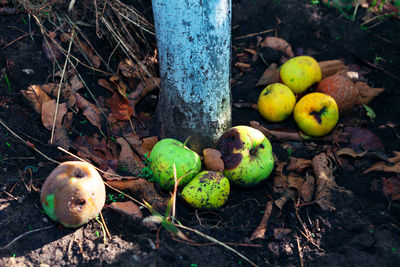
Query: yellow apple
{"points": [[73, 193], [299, 73], [276, 102], [316, 114]]}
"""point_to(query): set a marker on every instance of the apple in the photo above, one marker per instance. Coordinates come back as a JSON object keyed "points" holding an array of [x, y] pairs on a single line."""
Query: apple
{"points": [[276, 102], [208, 190], [247, 155], [299, 73], [165, 154], [316, 114], [73, 193]]}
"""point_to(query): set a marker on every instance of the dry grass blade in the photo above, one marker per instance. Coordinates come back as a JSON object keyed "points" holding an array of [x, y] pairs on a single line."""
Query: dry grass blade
{"points": [[24, 234]]}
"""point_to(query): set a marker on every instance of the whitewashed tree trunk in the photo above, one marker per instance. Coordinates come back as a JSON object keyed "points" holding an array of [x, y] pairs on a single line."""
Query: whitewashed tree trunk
{"points": [[194, 43]]}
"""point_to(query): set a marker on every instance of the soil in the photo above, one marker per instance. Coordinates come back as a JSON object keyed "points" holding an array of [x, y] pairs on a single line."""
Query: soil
{"points": [[364, 229]]}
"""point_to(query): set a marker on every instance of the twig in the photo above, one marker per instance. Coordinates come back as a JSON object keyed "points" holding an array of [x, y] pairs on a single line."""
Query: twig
{"points": [[103, 229], [105, 225], [26, 143], [59, 87], [254, 34], [27, 233], [217, 242], [19, 38], [262, 227], [300, 252]]}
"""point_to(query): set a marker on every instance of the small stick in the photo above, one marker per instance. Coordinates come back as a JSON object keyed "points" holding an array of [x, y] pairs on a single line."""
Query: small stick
{"points": [[262, 227], [27, 233], [300, 252], [254, 34], [105, 225]]}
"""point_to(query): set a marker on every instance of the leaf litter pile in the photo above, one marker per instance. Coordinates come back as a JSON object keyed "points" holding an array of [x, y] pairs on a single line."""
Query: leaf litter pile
{"points": [[114, 128]]}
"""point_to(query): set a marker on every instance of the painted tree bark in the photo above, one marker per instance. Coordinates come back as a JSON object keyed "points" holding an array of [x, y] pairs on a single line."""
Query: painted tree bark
{"points": [[194, 47]]}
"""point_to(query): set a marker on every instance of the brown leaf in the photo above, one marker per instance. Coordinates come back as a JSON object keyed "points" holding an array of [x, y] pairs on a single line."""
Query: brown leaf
{"points": [[246, 105], [125, 157], [331, 67], [324, 180], [242, 65], [65, 92], [307, 189], [35, 97], [128, 208], [362, 139], [87, 51], [106, 84], [298, 165], [148, 143], [120, 85], [135, 142], [278, 44], [213, 160], [262, 227], [391, 187], [367, 93], [120, 107], [381, 166], [51, 49], [90, 111], [295, 181], [60, 137], [75, 83], [350, 152], [270, 75], [130, 70], [143, 189], [396, 157], [143, 89], [281, 233]]}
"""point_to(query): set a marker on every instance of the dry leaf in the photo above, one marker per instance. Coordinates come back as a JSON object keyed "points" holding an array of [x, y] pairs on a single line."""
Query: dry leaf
{"points": [[148, 143], [128, 208], [290, 193], [391, 187], [381, 166], [280, 184], [295, 181], [60, 137], [75, 83], [125, 157], [270, 75], [278, 44], [246, 105], [367, 93], [35, 97], [280, 233], [86, 49], [350, 152], [121, 86], [106, 84], [307, 189], [90, 111], [362, 139], [141, 90], [262, 227], [213, 160], [396, 157], [144, 190], [130, 70], [65, 92], [324, 180], [50, 48], [242, 65], [331, 67], [120, 107], [298, 165]]}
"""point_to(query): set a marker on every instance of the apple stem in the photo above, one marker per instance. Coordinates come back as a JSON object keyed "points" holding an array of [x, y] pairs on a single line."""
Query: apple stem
{"points": [[186, 141]]}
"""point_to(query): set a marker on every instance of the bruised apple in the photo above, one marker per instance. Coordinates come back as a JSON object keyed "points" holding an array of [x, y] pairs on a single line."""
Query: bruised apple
{"points": [[300, 72], [165, 154], [73, 193], [247, 155], [316, 114], [208, 190]]}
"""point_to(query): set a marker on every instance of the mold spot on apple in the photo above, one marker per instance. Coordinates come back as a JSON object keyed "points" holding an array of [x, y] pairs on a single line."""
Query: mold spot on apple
{"points": [[317, 114]]}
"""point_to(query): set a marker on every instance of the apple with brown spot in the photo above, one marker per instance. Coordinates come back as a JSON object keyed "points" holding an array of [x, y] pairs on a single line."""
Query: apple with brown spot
{"points": [[247, 155]]}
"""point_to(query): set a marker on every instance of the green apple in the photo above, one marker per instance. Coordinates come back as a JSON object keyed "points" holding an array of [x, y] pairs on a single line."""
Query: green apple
{"points": [[247, 155], [73, 193], [208, 190], [316, 114], [165, 154]]}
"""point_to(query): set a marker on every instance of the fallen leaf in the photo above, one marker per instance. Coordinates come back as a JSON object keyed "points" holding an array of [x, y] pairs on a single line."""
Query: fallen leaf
{"points": [[213, 160], [246, 105], [381, 166], [396, 157], [148, 143], [278, 44], [270, 75], [75, 83], [66, 94], [60, 136], [106, 84], [120, 107], [362, 139], [35, 97], [143, 89], [281, 233], [50, 48], [331, 67], [120, 85], [128, 208], [350, 152], [307, 189], [262, 227], [242, 65], [324, 180], [391, 187], [130, 70], [87, 51], [367, 93], [90, 111], [295, 181], [125, 157], [298, 165], [143, 189], [8, 11], [135, 142]]}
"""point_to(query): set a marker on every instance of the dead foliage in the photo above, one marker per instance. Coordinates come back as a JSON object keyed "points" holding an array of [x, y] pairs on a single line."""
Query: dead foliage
{"points": [[213, 160]]}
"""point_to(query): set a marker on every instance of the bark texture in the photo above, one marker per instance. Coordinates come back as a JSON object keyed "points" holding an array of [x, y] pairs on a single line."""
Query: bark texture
{"points": [[194, 43]]}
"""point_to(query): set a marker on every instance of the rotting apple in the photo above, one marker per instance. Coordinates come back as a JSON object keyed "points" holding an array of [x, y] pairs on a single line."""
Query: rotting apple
{"points": [[276, 102], [73, 193], [316, 114], [207, 190], [299, 73], [247, 155], [165, 154]]}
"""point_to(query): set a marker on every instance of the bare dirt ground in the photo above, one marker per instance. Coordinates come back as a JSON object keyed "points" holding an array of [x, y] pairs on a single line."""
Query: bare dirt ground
{"points": [[362, 230]]}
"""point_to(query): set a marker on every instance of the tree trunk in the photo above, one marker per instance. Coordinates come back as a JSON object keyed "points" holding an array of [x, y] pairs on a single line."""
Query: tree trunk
{"points": [[194, 43]]}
